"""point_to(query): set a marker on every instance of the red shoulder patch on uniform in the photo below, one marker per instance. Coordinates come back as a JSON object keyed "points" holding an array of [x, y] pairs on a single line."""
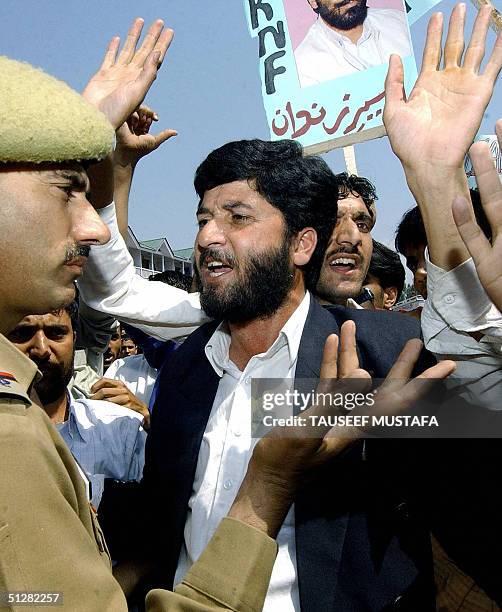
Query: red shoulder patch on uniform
{"points": [[6, 378]]}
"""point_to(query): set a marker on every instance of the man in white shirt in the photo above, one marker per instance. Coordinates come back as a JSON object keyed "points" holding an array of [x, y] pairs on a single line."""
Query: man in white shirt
{"points": [[349, 37], [225, 360], [107, 440], [256, 261], [136, 374]]}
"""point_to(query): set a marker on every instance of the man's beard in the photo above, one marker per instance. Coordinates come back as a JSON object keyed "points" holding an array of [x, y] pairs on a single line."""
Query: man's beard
{"points": [[261, 288], [352, 18], [56, 377]]}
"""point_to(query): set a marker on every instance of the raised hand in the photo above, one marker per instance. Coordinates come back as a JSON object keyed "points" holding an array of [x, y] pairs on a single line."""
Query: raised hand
{"points": [[294, 451], [134, 140], [439, 121], [286, 456], [487, 257], [123, 80]]}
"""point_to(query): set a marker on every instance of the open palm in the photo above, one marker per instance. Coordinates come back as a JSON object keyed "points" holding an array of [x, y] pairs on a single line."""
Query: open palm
{"points": [[122, 81], [439, 121]]}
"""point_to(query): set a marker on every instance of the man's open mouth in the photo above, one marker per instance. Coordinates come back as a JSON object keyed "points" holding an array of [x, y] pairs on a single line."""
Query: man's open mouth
{"points": [[217, 268], [343, 264]]}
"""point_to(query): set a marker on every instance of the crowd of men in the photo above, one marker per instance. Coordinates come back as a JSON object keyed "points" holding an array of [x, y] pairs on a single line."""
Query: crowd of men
{"points": [[132, 477]]}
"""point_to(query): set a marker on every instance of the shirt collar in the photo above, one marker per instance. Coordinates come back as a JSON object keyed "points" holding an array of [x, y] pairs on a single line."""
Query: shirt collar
{"points": [[16, 370], [218, 346]]}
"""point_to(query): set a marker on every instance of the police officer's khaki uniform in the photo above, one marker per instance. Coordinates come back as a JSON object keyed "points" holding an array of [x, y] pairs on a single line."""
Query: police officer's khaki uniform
{"points": [[50, 540]]}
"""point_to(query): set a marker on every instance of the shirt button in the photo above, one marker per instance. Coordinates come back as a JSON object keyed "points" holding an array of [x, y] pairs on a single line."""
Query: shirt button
{"points": [[449, 299], [248, 380], [237, 433], [228, 485]]}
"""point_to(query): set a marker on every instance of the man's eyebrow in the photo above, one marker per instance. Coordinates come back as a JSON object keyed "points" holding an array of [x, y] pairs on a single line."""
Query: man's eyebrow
{"points": [[232, 205], [77, 180], [357, 216], [362, 215], [202, 210]]}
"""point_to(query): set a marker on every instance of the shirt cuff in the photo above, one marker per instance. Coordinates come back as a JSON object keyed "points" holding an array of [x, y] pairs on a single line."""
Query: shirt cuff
{"points": [[460, 299], [108, 215], [235, 567]]}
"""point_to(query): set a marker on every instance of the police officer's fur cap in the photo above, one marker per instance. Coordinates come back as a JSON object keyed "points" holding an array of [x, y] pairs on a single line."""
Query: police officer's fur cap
{"points": [[43, 120]]}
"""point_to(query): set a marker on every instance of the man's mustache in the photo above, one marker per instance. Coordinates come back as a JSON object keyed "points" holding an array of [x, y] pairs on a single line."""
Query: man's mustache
{"points": [[79, 250], [216, 255], [346, 250]]}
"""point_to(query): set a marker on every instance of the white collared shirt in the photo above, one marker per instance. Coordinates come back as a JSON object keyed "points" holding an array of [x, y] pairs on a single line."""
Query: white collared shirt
{"points": [[110, 284], [325, 54], [136, 374], [107, 441], [456, 306], [226, 449]]}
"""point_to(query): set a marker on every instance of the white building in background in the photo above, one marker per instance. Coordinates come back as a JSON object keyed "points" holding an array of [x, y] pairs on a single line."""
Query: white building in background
{"points": [[154, 256]]}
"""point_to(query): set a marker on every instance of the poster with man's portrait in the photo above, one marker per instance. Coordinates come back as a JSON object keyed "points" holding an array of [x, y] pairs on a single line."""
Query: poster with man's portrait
{"points": [[323, 65]]}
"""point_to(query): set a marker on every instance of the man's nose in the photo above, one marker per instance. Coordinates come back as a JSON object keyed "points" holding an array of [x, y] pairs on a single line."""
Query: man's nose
{"points": [[211, 233], [39, 347], [87, 226], [347, 233]]}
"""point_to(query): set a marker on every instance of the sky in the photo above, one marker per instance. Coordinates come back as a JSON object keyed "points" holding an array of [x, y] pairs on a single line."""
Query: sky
{"points": [[208, 89]]}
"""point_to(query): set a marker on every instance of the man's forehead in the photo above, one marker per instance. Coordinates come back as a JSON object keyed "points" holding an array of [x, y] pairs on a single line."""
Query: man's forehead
{"points": [[236, 192], [353, 204], [45, 320], [54, 172]]}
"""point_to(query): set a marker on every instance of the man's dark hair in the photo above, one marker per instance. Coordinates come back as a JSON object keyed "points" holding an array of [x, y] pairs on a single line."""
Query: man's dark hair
{"points": [[411, 230], [387, 267], [72, 311], [352, 185], [303, 189]]}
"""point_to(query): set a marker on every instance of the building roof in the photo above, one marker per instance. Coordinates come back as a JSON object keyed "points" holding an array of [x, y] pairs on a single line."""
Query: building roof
{"points": [[184, 253], [152, 244]]}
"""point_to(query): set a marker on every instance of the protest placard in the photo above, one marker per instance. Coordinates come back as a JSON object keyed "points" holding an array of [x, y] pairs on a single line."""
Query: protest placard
{"points": [[318, 86]]}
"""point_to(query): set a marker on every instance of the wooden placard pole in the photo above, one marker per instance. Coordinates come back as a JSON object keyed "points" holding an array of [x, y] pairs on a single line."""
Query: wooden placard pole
{"points": [[349, 155]]}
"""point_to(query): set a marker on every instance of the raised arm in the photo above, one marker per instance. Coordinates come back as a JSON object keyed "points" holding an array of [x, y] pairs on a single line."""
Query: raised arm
{"points": [[487, 257], [134, 141], [120, 86], [432, 130], [109, 283]]}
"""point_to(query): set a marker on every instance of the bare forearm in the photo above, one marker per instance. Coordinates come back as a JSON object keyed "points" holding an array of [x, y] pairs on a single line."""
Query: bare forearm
{"points": [[262, 501], [101, 180], [123, 175], [434, 189]]}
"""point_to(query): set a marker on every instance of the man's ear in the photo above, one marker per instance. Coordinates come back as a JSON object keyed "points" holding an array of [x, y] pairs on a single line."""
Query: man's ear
{"points": [[304, 244], [313, 4], [389, 297]]}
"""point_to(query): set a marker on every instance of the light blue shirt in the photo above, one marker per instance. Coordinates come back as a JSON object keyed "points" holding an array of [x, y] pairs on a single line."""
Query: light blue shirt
{"points": [[107, 441]]}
